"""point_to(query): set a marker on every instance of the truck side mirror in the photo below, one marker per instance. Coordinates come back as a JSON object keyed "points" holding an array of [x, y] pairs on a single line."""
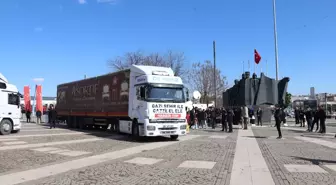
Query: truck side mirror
{"points": [[142, 92], [187, 94]]}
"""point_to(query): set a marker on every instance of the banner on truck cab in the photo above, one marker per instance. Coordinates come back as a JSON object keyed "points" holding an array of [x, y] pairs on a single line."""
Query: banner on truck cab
{"points": [[39, 106], [26, 97], [166, 110]]}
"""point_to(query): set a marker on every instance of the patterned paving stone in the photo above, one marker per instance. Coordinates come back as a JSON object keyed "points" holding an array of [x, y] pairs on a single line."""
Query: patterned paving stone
{"points": [[278, 153], [143, 160], [295, 168], [197, 164], [331, 167], [218, 137]]}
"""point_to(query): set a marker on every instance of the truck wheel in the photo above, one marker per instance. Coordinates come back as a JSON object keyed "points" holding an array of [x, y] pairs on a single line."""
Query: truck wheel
{"points": [[174, 137], [5, 127], [135, 129], [69, 122], [15, 131]]}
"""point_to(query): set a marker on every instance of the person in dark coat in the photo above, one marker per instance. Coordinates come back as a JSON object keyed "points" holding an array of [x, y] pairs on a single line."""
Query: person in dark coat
{"points": [[230, 117], [224, 120], [38, 117], [322, 117], [259, 116], [277, 117], [309, 118], [213, 118], [302, 118], [49, 114], [315, 120], [297, 116], [53, 116], [28, 114], [192, 117]]}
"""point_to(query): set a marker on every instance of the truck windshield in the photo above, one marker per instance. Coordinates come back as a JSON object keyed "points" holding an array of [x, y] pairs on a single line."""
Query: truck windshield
{"points": [[165, 94]]}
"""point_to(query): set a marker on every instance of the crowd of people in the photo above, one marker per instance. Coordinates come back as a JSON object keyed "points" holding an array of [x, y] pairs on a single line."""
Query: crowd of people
{"points": [[203, 118], [52, 116], [311, 118]]}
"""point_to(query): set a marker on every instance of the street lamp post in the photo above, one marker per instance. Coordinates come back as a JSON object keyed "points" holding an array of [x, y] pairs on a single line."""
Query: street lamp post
{"points": [[275, 41]]}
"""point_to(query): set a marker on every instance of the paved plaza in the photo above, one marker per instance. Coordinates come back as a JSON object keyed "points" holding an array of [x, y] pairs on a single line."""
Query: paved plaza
{"points": [[39, 155]]}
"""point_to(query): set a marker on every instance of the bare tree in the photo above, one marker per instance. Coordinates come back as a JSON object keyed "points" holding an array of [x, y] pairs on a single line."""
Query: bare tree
{"points": [[171, 59], [201, 78]]}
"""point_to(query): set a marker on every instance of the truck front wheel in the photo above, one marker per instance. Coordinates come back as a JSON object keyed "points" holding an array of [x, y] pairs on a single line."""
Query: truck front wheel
{"points": [[174, 137], [5, 127], [15, 131]]}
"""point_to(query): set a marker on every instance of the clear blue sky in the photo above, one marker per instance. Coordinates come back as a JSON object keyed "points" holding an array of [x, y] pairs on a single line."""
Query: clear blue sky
{"points": [[61, 40]]}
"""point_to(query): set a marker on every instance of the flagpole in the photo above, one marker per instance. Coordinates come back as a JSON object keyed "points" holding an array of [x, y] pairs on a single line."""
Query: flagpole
{"points": [[214, 55], [254, 67], [243, 66], [275, 41], [249, 69]]}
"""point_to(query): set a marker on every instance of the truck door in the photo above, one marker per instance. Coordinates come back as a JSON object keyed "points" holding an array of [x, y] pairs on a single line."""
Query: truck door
{"points": [[13, 110]]}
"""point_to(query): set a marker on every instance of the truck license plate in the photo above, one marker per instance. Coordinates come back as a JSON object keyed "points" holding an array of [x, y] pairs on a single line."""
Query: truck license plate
{"points": [[168, 126]]}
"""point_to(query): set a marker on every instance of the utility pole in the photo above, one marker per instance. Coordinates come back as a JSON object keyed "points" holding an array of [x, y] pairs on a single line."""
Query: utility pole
{"points": [[275, 42], [214, 55]]}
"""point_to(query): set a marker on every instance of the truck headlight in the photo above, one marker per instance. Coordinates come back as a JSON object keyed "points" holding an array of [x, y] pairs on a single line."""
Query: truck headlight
{"points": [[183, 127], [151, 128]]}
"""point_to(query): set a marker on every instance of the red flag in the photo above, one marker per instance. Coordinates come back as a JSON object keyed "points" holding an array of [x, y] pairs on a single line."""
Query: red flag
{"points": [[39, 106], [26, 94], [257, 57]]}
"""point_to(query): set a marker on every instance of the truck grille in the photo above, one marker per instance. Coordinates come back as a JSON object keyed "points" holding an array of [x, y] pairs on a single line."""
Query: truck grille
{"points": [[173, 128], [167, 132]]}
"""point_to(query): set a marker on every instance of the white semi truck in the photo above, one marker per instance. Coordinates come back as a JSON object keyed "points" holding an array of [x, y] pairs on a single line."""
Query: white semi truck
{"points": [[10, 110], [142, 101]]}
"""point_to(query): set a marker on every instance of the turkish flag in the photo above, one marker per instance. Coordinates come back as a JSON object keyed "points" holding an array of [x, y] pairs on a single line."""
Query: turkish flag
{"points": [[257, 57]]}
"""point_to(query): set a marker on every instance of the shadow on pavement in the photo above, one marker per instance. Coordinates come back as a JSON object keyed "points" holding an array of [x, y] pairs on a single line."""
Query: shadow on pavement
{"points": [[297, 131], [314, 161], [108, 134], [257, 137]]}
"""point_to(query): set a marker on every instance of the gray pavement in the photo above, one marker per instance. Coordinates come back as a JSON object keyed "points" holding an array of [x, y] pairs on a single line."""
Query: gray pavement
{"points": [[39, 155]]}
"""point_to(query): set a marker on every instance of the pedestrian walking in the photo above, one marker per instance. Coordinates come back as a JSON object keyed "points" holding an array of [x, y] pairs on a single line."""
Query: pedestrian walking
{"points": [[213, 118], [309, 118], [245, 116], [38, 117], [53, 116], [224, 120], [259, 116], [297, 116], [230, 117], [302, 118], [28, 114], [315, 120], [322, 117], [277, 117]]}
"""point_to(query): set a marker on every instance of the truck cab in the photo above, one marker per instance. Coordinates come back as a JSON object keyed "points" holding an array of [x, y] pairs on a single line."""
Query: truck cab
{"points": [[156, 103], [10, 110]]}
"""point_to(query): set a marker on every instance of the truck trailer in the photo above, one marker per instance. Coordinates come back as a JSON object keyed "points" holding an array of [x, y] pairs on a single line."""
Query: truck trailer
{"points": [[10, 109], [141, 100]]}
